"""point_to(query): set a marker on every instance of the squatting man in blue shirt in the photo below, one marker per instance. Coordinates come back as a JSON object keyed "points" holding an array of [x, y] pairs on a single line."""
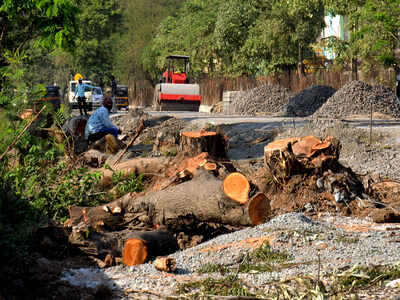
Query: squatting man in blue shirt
{"points": [[80, 91], [99, 126]]}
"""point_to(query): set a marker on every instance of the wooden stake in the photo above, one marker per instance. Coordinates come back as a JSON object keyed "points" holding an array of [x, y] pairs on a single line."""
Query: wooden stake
{"points": [[137, 133]]}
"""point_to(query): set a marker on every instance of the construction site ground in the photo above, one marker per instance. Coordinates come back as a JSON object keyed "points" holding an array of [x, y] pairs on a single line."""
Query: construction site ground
{"points": [[352, 238]]}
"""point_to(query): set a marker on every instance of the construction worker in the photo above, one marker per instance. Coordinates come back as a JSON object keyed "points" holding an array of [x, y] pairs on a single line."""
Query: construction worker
{"points": [[80, 91], [99, 126]]}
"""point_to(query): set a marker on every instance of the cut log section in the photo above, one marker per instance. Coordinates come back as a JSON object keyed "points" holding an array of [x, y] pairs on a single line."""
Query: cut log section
{"points": [[145, 245], [135, 252], [166, 264], [195, 142], [209, 166], [236, 186], [259, 209]]}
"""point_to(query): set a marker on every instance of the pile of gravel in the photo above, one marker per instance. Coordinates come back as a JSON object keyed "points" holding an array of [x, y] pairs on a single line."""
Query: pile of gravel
{"points": [[355, 98], [309, 100], [262, 100]]}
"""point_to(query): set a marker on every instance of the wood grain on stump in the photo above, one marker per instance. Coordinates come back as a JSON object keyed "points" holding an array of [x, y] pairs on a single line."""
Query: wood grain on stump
{"points": [[236, 186], [259, 209], [135, 252]]}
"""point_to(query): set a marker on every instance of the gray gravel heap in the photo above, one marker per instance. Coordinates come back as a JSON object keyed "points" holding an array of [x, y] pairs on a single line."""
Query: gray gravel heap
{"points": [[294, 233], [262, 100], [309, 100], [355, 98]]}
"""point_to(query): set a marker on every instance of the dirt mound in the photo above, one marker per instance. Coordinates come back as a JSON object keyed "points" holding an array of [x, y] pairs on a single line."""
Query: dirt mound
{"points": [[262, 100], [309, 100], [356, 97]]}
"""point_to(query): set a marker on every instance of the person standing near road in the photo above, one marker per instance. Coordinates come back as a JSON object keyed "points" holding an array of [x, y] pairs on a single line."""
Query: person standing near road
{"points": [[80, 92], [113, 91]]}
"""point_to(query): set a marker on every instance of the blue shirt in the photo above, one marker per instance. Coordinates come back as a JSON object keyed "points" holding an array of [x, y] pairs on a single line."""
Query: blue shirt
{"points": [[80, 89], [98, 121]]}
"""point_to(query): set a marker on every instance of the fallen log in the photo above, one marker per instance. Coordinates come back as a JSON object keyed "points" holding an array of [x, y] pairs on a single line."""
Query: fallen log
{"points": [[147, 165], [186, 205], [144, 245], [135, 247]]}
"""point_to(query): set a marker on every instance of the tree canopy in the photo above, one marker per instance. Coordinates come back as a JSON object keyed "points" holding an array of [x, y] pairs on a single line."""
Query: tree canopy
{"points": [[240, 37]]}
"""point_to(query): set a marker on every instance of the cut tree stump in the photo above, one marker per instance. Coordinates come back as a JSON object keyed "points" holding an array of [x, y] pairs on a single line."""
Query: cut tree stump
{"points": [[237, 187], [287, 157], [195, 142]]}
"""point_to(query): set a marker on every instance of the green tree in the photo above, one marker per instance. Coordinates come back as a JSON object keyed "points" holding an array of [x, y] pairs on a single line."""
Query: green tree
{"points": [[378, 34], [190, 32], [99, 27], [140, 20], [283, 35], [232, 27], [234, 37], [48, 23]]}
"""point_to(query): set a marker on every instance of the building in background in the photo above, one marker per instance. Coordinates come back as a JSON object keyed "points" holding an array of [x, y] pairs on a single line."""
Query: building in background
{"points": [[335, 29]]}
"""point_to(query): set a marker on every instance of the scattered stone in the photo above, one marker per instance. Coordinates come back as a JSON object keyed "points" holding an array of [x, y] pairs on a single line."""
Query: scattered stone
{"points": [[356, 97], [262, 100], [309, 100]]}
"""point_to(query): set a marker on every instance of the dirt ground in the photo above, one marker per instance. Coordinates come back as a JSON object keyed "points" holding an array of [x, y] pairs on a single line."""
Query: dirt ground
{"points": [[374, 198]]}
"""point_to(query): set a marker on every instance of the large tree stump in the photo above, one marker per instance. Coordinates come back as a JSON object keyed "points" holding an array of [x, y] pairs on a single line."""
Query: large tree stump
{"points": [[195, 142], [287, 157]]}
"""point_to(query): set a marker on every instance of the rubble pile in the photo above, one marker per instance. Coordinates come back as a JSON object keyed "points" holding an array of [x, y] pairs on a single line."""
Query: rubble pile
{"points": [[262, 100], [309, 100], [356, 97]]}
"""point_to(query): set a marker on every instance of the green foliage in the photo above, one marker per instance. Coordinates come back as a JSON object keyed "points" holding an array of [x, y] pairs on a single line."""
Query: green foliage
{"points": [[50, 186], [235, 37], [48, 23], [226, 286], [99, 23], [140, 19], [377, 34], [213, 268], [365, 276], [347, 239], [127, 184]]}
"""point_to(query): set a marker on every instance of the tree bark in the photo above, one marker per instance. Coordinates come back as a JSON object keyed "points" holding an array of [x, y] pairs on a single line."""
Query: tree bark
{"points": [[196, 142], [189, 204], [146, 165], [144, 245], [136, 247]]}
